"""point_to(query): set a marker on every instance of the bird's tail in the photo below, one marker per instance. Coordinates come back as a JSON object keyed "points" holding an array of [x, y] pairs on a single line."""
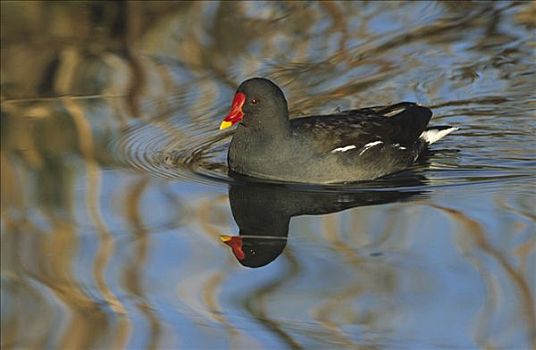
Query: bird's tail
{"points": [[435, 133]]}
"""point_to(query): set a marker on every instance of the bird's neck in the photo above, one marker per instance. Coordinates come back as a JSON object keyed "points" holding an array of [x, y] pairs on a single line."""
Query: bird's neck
{"points": [[272, 128], [265, 132]]}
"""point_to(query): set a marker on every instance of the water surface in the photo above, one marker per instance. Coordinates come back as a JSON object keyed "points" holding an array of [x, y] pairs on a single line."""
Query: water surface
{"points": [[115, 191]]}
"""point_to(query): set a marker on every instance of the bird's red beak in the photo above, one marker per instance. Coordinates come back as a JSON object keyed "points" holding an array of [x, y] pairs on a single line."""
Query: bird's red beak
{"points": [[236, 245], [236, 114]]}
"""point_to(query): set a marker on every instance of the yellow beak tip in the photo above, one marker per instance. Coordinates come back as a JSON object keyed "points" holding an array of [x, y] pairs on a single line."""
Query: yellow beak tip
{"points": [[225, 125], [225, 238]]}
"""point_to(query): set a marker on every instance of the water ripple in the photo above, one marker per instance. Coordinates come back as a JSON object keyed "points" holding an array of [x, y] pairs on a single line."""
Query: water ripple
{"points": [[200, 155]]}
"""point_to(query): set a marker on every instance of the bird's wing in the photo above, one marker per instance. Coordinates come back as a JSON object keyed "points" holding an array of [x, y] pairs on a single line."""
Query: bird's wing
{"points": [[401, 124]]}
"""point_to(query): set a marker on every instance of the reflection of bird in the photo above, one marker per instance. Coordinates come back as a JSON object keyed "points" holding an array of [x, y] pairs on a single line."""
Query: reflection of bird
{"points": [[262, 213], [354, 145]]}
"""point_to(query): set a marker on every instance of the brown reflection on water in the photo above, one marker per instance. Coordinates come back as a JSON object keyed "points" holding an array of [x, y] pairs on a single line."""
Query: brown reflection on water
{"points": [[481, 243], [338, 243], [62, 61], [47, 256], [54, 255], [335, 310], [336, 305], [524, 250], [94, 182], [136, 265], [208, 213], [106, 243], [256, 303]]}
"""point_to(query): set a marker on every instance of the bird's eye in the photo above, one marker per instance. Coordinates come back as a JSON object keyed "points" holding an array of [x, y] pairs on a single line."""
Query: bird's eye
{"points": [[253, 100]]}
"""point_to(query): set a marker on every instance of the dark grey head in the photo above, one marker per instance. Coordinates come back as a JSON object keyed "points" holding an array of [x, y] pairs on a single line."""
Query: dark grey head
{"points": [[258, 103]]}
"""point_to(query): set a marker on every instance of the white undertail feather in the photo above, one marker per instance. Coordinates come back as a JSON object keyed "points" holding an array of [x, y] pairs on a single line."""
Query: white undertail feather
{"points": [[432, 135]]}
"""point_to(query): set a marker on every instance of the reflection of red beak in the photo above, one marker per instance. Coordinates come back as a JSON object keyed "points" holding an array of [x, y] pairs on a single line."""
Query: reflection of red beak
{"points": [[236, 245], [236, 114]]}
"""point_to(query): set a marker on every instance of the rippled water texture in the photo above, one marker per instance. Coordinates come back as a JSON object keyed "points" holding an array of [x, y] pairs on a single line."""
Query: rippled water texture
{"points": [[116, 200]]}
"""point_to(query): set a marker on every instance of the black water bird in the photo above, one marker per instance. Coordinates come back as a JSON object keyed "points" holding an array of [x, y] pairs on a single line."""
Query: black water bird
{"points": [[353, 145]]}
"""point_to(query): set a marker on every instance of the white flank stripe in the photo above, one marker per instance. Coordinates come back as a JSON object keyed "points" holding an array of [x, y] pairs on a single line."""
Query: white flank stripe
{"points": [[431, 136], [369, 145], [343, 149]]}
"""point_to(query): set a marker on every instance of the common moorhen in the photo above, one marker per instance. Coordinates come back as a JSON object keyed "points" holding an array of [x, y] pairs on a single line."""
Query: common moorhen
{"points": [[347, 146]]}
